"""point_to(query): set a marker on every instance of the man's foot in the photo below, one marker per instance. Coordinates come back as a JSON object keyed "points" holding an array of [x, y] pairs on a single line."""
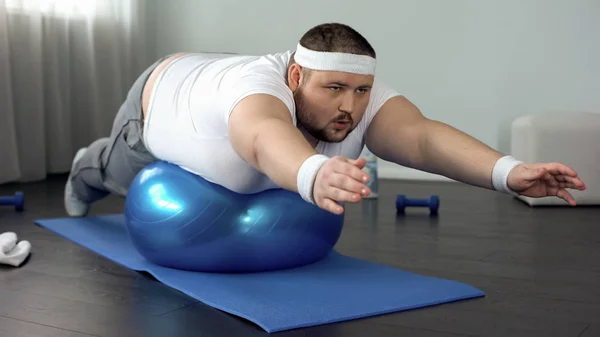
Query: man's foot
{"points": [[73, 205]]}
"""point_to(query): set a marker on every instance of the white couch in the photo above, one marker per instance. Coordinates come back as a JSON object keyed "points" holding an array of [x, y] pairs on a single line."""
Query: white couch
{"points": [[571, 138]]}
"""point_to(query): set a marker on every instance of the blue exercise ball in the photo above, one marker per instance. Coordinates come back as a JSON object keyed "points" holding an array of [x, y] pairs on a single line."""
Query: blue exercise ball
{"points": [[179, 220]]}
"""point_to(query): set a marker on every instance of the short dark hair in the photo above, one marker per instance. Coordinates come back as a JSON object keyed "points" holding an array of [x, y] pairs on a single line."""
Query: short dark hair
{"points": [[336, 37]]}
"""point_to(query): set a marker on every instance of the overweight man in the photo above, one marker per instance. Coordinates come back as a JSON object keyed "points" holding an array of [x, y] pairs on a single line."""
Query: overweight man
{"points": [[296, 120]]}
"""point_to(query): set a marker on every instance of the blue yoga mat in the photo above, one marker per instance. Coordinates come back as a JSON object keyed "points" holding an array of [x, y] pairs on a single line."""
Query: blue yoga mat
{"points": [[336, 289]]}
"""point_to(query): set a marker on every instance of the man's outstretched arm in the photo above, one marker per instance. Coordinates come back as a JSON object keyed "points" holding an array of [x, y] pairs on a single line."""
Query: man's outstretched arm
{"points": [[262, 133], [400, 133]]}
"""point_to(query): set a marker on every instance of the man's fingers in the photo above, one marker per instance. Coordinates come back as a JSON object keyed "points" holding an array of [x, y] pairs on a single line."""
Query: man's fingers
{"points": [[568, 181], [562, 183], [351, 170], [563, 194], [360, 162], [575, 182], [562, 178], [571, 186], [341, 195], [551, 180], [346, 183], [331, 206], [558, 168], [357, 161]]}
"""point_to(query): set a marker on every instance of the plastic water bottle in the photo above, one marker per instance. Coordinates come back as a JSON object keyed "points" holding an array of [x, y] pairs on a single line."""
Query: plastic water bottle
{"points": [[371, 169]]}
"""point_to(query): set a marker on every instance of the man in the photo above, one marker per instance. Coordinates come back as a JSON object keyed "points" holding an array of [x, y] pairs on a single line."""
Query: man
{"points": [[296, 120]]}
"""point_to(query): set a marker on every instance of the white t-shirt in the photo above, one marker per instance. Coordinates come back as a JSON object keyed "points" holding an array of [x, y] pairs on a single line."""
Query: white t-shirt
{"points": [[187, 116]]}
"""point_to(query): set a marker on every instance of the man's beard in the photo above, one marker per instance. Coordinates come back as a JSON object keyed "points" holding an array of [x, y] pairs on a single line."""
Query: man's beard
{"points": [[308, 123]]}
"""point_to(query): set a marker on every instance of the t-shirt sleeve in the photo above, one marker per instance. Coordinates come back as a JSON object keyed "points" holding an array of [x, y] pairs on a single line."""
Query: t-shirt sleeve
{"points": [[380, 93], [257, 83]]}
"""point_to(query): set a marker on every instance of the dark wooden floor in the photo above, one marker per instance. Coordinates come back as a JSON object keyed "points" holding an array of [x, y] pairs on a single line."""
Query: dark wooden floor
{"points": [[539, 267]]}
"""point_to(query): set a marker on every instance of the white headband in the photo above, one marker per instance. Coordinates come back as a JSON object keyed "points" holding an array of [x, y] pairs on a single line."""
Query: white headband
{"points": [[330, 61]]}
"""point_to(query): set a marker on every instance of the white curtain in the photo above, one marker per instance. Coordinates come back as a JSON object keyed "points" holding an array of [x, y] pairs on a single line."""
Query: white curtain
{"points": [[65, 68]]}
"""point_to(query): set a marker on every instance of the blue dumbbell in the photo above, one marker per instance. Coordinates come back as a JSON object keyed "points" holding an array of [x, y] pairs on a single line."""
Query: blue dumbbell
{"points": [[17, 200], [433, 203]]}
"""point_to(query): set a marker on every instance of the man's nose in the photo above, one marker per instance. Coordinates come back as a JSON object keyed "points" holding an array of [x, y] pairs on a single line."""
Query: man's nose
{"points": [[348, 103]]}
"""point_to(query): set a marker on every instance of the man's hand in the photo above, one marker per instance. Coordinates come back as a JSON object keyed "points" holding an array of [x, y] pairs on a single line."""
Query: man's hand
{"points": [[340, 180], [545, 179]]}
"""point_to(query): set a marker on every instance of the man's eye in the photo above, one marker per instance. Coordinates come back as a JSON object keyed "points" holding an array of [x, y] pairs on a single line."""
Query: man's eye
{"points": [[335, 88]]}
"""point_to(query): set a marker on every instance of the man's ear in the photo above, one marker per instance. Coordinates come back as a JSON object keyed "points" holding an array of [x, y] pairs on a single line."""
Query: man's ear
{"points": [[294, 76]]}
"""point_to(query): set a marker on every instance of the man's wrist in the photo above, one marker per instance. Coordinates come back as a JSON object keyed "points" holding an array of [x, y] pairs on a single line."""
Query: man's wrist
{"points": [[307, 174], [500, 173]]}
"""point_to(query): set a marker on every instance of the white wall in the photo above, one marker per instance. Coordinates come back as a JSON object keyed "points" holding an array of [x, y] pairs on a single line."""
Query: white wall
{"points": [[473, 64]]}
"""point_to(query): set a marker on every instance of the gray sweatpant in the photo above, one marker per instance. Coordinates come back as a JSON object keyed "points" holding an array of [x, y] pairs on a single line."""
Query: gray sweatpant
{"points": [[110, 164]]}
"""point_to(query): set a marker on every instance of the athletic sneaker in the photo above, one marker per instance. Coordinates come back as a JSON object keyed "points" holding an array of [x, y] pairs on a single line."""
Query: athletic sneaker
{"points": [[73, 205]]}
